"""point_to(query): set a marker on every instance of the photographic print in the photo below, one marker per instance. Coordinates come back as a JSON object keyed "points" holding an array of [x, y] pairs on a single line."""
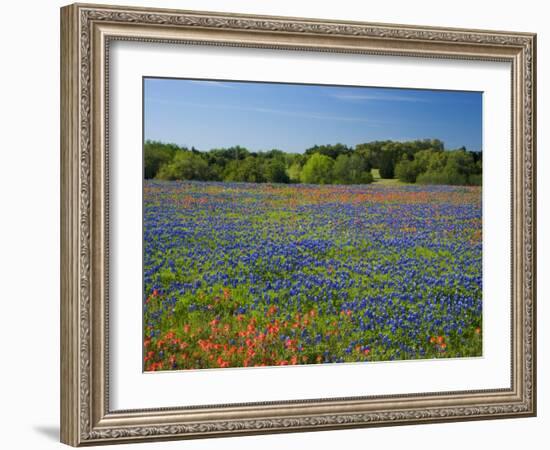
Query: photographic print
{"points": [[289, 224], [287, 199]]}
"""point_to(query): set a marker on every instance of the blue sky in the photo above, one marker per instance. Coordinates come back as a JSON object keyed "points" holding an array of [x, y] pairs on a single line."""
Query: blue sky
{"points": [[293, 117]]}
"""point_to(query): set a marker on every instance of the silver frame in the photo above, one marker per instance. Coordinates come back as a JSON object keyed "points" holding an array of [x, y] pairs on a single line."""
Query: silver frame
{"points": [[86, 33]]}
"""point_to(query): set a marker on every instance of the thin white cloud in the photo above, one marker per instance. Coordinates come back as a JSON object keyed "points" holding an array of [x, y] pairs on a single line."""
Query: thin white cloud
{"points": [[380, 98], [309, 115], [212, 83], [293, 113]]}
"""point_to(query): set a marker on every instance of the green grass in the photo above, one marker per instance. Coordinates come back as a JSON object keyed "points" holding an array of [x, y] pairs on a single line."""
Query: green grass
{"points": [[386, 181]]}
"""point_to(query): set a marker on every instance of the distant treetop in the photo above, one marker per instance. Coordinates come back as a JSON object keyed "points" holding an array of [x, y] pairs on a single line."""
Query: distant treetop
{"points": [[420, 161]]}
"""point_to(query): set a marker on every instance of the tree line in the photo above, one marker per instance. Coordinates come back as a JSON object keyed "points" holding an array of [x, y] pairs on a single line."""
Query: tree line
{"points": [[420, 161]]}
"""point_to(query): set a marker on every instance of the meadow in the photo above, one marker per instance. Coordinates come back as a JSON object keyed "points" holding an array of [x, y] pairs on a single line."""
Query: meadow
{"points": [[243, 274]]}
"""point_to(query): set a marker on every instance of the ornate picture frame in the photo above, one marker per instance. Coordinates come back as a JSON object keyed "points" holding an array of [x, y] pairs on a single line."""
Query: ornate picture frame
{"points": [[87, 31]]}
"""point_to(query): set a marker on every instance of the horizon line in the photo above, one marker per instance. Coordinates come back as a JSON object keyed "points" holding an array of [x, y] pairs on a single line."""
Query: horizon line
{"points": [[352, 147]]}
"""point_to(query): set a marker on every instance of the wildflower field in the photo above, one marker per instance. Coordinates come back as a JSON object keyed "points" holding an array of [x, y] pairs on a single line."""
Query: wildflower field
{"points": [[240, 275]]}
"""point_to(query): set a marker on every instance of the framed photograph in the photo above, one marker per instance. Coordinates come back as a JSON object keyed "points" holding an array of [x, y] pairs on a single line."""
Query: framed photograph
{"points": [[276, 224]]}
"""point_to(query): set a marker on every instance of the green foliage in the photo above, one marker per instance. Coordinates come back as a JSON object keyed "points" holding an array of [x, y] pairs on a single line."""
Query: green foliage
{"points": [[352, 169], [223, 155], [426, 158], [406, 170], [294, 172], [332, 151], [421, 161], [432, 178], [318, 170], [475, 179], [456, 167], [387, 168], [185, 166], [387, 153], [249, 170], [155, 154], [387, 159], [275, 171]]}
